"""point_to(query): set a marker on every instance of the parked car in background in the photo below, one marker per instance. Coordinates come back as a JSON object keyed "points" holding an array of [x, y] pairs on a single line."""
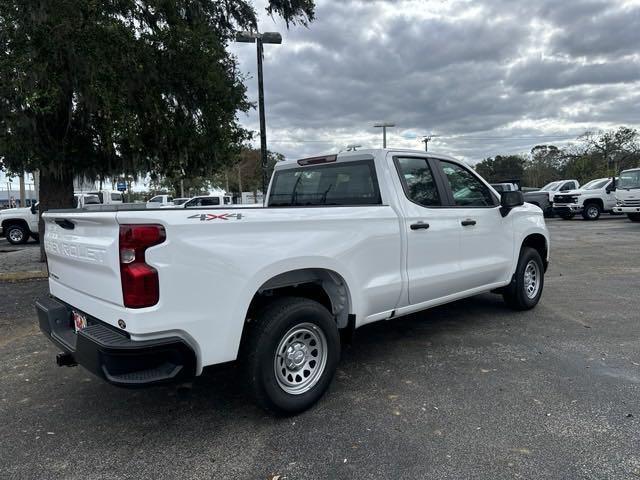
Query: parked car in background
{"points": [[344, 240], [82, 199], [160, 201], [179, 201], [543, 198], [590, 200], [19, 224], [504, 187], [208, 201], [108, 197], [627, 193]]}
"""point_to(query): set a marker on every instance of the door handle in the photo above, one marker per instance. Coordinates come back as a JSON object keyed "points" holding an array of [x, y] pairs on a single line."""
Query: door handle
{"points": [[468, 222], [66, 224], [419, 226]]}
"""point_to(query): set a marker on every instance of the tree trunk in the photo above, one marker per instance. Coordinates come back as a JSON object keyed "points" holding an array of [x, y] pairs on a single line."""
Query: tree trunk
{"points": [[56, 191]]}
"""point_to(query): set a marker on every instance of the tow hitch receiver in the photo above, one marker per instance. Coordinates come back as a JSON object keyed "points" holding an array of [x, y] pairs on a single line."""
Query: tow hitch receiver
{"points": [[65, 360]]}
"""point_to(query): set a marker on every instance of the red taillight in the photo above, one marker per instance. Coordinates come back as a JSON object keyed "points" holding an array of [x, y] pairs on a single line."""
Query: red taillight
{"points": [[140, 286]]}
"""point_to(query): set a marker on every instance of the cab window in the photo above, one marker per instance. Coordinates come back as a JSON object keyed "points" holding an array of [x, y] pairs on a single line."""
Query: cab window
{"points": [[418, 181], [467, 189]]}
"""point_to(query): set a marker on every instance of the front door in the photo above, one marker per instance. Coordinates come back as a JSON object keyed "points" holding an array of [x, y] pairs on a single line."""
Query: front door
{"points": [[486, 237], [433, 231]]}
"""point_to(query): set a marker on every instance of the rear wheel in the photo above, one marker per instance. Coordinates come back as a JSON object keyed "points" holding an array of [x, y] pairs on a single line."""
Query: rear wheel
{"points": [[16, 234], [591, 211], [290, 355], [526, 288], [634, 217]]}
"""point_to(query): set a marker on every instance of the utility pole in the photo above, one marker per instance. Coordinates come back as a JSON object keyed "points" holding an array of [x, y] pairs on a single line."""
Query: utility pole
{"points": [[384, 131], [23, 196], [259, 39], [426, 139]]}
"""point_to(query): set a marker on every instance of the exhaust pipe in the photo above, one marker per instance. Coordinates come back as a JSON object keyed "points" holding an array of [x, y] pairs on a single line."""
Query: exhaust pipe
{"points": [[65, 360]]}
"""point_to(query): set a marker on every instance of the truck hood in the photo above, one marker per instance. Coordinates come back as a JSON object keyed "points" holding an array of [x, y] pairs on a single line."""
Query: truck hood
{"points": [[10, 212]]}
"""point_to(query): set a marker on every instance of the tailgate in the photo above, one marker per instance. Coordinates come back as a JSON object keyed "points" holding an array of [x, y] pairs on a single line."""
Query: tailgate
{"points": [[82, 253]]}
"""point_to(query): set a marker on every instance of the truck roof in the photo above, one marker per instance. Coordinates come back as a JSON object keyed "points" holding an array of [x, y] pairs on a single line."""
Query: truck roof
{"points": [[359, 154]]}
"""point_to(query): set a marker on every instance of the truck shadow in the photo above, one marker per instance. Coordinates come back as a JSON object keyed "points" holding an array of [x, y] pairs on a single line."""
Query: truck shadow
{"points": [[380, 349]]}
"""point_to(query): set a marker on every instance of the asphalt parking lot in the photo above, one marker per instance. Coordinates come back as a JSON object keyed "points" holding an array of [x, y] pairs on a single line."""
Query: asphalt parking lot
{"points": [[470, 390]]}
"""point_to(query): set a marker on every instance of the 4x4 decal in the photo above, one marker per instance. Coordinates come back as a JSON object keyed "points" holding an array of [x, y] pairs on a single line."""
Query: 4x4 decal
{"points": [[206, 217]]}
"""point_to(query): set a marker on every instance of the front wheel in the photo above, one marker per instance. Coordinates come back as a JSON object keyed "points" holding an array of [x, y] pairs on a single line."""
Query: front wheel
{"points": [[525, 290], [591, 211], [290, 355], [17, 234], [634, 217]]}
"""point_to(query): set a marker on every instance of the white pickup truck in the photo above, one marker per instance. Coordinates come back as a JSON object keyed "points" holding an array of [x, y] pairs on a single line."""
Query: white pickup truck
{"points": [[142, 296], [627, 192], [18, 224], [590, 200]]}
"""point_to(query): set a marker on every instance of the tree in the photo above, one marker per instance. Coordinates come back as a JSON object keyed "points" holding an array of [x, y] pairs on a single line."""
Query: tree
{"points": [[502, 168], [100, 88], [245, 175], [543, 166]]}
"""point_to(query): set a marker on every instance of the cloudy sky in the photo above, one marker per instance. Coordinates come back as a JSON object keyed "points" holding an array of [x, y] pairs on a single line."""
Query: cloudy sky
{"points": [[482, 77], [486, 77]]}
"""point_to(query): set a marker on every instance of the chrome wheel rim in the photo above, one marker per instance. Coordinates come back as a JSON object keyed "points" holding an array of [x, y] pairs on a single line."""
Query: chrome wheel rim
{"points": [[300, 358], [16, 235], [531, 279], [592, 212]]}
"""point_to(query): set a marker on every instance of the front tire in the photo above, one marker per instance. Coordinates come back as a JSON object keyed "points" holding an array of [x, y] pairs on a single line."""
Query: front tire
{"points": [[290, 355], [591, 211], [525, 290], [17, 234], [634, 217]]}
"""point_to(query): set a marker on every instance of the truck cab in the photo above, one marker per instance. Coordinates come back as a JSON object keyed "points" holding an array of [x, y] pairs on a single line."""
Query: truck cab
{"points": [[627, 194]]}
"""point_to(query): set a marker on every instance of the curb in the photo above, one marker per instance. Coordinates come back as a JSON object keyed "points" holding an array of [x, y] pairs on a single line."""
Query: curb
{"points": [[17, 276]]}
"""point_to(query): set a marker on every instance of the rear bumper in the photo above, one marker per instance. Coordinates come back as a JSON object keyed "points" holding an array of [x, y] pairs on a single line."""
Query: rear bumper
{"points": [[111, 354]]}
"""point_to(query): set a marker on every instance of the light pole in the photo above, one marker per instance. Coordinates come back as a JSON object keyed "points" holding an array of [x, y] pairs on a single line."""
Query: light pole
{"points": [[259, 39], [384, 132]]}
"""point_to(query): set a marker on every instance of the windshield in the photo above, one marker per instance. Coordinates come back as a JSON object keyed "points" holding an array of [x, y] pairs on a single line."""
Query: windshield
{"points": [[550, 187], [629, 179], [596, 184]]}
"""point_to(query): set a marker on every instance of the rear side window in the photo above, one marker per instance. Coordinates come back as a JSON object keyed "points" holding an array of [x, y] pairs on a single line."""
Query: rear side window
{"points": [[352, 183], [466, 188], [418, 182]]}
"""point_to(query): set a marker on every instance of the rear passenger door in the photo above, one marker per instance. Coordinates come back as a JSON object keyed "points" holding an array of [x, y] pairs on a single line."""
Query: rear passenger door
{"points": [[432, 231], [486, 237]]}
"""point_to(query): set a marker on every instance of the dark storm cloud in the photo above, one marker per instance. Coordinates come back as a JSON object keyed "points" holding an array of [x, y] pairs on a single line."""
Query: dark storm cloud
{"points": [[493, 69]]}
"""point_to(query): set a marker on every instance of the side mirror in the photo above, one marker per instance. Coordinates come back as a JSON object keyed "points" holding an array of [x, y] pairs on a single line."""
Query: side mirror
{"points": [[611, 187], [510, 200], [34, 210]]}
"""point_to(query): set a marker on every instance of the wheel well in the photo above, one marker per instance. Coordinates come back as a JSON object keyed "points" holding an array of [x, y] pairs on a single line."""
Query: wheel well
{"points": [[595, 200], [539, 243], [14, 221], [324, 286]]}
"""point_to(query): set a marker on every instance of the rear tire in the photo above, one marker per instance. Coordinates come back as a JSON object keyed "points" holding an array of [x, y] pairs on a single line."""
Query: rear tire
{"points": [[16, 234], [634, 217], [525, 290], [591, 211], [290, 355]]}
